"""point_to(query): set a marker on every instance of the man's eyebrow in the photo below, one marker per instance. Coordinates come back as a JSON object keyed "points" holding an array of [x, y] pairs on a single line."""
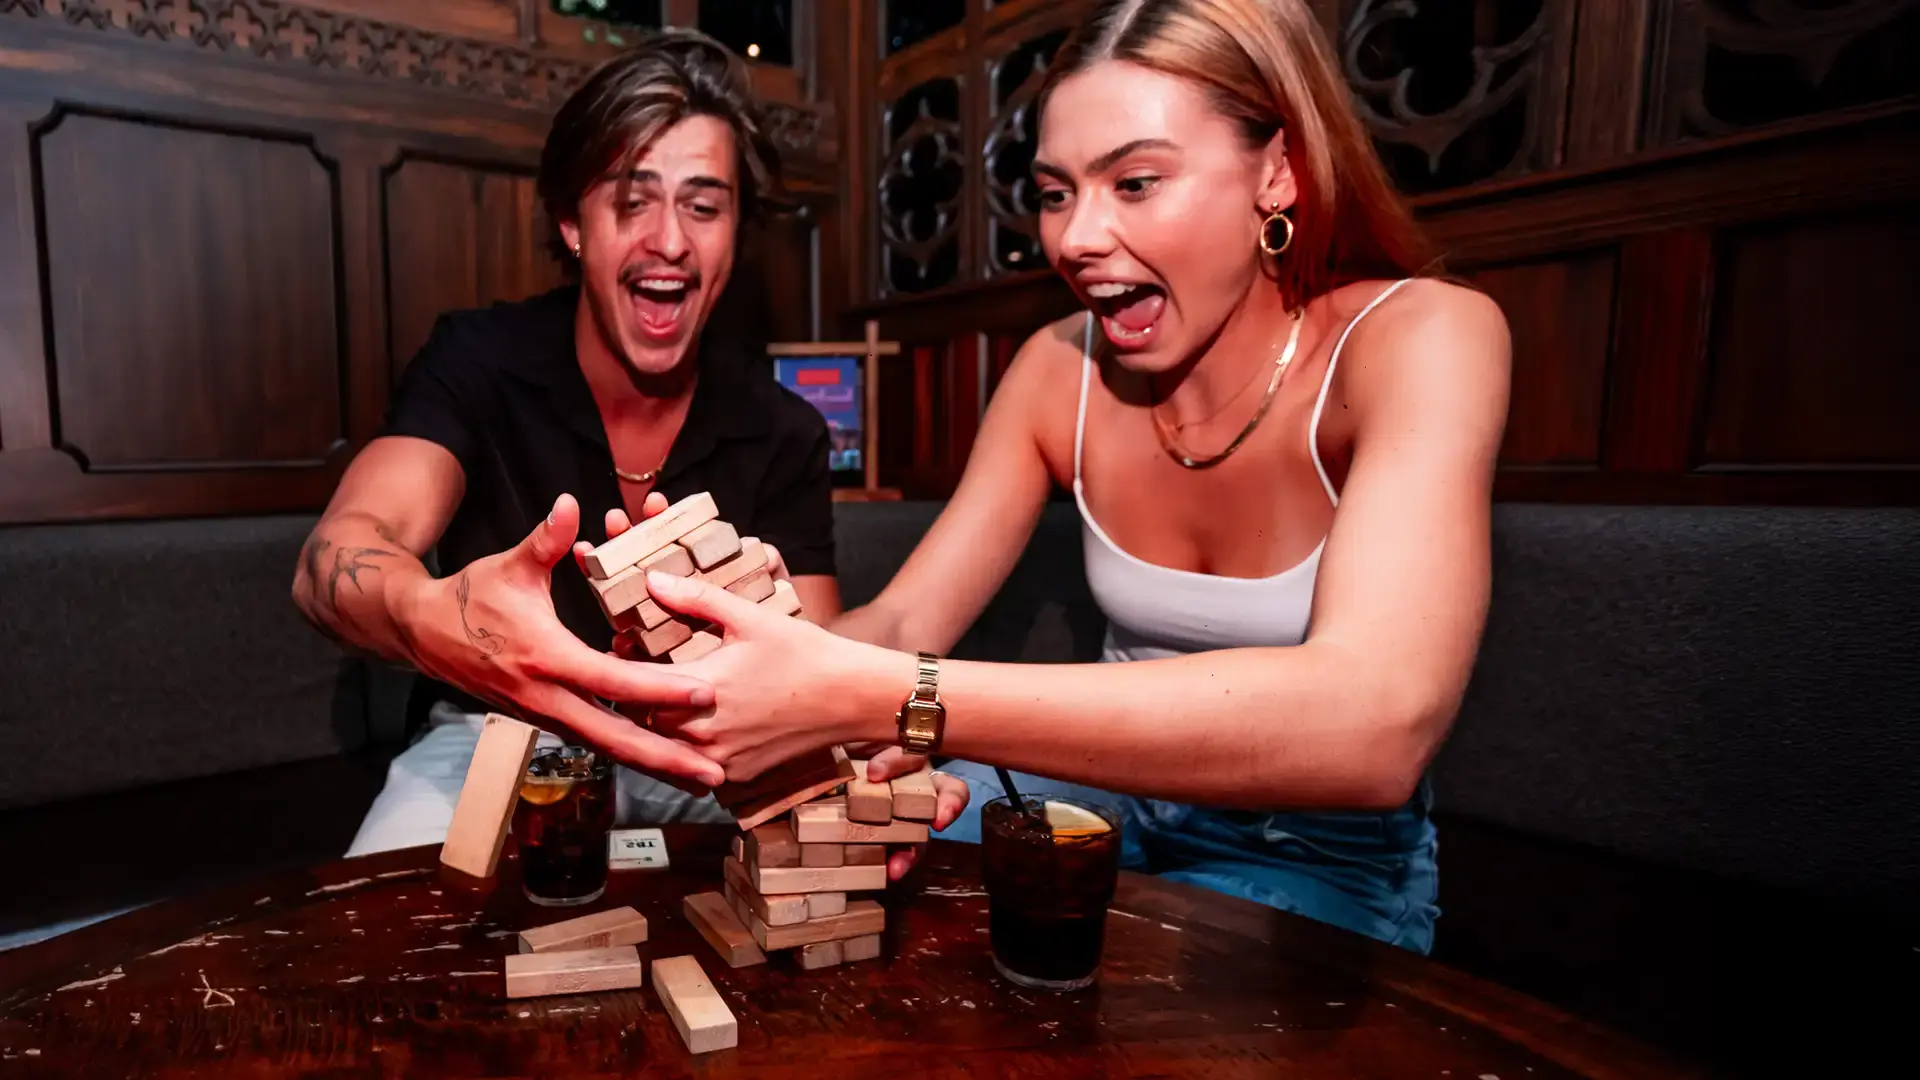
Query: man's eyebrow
{"points": [[648, 176], [1107, 160]]}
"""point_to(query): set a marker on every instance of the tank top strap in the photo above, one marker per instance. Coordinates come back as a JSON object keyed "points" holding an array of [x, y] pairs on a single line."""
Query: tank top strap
{"points": [[1080, 420], [1326, 383]]}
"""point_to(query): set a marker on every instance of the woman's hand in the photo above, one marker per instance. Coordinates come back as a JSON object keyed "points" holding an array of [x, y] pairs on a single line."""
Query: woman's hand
{"points": [[784, 687]]}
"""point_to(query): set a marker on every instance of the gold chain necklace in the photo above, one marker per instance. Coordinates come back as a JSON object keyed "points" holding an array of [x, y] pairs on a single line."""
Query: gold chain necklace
{"points": [[1179, 454], [640, 478]]}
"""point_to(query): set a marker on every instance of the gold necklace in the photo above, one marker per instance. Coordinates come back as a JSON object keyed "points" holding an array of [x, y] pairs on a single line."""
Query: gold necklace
{"points": [[640, 478], [1179, 454]]}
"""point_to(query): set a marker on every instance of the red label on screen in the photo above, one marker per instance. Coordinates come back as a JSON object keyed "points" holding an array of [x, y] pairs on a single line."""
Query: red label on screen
{"points": [[817, 377]]}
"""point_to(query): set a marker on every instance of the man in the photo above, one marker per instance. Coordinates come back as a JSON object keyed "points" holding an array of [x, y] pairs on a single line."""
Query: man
{"points": [[515, 422]]}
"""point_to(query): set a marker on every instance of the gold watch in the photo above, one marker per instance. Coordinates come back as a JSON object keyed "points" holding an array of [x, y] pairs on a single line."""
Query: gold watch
{"points": [[923, 717]]}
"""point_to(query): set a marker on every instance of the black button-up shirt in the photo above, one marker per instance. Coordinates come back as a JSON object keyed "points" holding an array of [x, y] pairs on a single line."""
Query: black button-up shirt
{"points": [[501, 388]]}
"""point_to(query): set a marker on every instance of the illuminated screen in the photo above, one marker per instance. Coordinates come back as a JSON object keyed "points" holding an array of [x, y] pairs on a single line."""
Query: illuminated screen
{"points": [[831, 384]]}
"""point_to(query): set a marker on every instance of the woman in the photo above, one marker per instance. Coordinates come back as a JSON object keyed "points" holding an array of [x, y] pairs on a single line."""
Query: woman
{"points": [[1282, 444]]}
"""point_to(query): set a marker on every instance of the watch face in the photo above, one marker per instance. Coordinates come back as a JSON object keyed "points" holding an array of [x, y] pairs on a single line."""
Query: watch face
{"points": [[920, 722]]}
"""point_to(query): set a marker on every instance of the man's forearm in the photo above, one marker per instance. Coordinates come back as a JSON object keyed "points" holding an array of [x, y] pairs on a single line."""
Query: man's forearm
{"points": [[351, 571]]}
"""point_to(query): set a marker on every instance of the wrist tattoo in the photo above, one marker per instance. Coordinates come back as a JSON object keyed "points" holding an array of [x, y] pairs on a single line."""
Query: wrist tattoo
{"points": [[488, 642]]}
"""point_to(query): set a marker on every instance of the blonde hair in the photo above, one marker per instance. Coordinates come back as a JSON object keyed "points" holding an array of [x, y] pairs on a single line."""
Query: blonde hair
{"points": [[1267, 66]]}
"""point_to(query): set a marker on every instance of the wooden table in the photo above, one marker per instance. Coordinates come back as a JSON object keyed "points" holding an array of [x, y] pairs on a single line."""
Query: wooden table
{"points": [[388, 966]]}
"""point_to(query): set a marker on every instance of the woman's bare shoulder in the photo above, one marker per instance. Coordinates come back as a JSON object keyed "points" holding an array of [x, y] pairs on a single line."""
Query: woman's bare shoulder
{"points": [[1051, 353], [1428, 327]]}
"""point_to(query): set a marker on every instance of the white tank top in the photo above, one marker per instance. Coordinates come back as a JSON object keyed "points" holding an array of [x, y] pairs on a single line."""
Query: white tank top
{"points": [[1156, 611]]}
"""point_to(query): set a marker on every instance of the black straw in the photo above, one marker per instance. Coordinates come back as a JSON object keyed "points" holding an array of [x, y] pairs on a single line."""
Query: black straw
{"points": [[1020, 804]]}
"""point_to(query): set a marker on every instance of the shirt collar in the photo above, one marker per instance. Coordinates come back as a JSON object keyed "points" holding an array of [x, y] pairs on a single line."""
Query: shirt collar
{"points": [[729, 401]]}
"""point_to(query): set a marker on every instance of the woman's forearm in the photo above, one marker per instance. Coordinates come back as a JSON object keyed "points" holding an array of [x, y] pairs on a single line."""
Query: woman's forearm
{"points": [[1304, 727]]}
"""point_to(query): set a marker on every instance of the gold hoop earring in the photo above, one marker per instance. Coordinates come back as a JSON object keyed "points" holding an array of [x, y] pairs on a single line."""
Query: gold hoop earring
{"points": [[1266, 231], [576, 251]]}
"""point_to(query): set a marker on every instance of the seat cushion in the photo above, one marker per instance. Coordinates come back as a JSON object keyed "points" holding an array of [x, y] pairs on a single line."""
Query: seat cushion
{"points": [[1729, 689], [134, 653]]}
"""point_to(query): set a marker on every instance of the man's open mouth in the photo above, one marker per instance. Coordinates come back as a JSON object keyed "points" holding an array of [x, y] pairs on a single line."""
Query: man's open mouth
{"points": [[660, 302]]}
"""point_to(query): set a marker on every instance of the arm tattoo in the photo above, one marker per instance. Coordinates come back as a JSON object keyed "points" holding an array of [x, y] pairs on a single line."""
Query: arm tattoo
{"points": [[483, 639], [347, 563], [388, 533]]}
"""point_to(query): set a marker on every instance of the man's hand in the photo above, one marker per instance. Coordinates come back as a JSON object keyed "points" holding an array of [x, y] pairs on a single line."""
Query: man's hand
{"points": [[491, 630]]}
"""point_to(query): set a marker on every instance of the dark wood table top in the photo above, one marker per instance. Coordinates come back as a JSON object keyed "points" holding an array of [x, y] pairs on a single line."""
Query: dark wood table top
{"points": [[389, 966]]}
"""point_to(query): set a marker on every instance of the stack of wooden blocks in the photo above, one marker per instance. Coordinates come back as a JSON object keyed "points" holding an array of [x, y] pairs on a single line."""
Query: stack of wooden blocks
{"points": [[788, 881], [685, 540]]}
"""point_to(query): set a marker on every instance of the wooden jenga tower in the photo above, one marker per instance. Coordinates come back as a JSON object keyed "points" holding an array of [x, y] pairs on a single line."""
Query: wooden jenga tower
{"points": [[813, 829]]}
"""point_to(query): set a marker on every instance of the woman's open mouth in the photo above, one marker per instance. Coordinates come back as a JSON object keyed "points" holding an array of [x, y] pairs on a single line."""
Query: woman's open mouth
{"points": [[1129, 312]]}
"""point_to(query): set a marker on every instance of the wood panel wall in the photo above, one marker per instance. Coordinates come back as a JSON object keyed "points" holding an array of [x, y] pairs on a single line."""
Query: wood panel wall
{"points": [[225, 226], [1699, 220]]}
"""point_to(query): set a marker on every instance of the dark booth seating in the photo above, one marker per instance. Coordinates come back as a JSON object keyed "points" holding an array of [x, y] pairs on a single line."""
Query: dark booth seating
{"points": [[1679, 798]]}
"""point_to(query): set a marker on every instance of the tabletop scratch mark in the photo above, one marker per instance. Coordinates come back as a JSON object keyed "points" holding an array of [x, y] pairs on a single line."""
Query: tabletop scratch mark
{"points": [[190, 943], [350, 979], [448, 915], [136, 1017], [432, 948], [87, 984], [262, 901], [499, 933], [341, 887], [208, 993], [402, 873], [468, 974], [936, 891], [278, 933]]}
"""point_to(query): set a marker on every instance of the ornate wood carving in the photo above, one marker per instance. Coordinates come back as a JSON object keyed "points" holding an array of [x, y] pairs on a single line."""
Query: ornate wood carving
{"points": [[1726, 65], [920, 189], [1012, 200], [329, 42], [1459, 93]]}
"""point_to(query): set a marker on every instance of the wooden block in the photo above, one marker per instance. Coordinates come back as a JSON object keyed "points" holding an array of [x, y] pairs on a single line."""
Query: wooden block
{"points": [[699, 1015], [823, 855], [782, 779], [602, 930], [820, 905], [868, 802], [485, 808], [628, 588], [864, 947], [741, 908], [714, 917], [826, 823], [756, 586], [784, 599], [861, 918], [808, 879], [778, 909], [755, 811], [711, 544], [649, 614], [702, 643], [771, 845], [913, 796], [668, 636], [821, 954], [650, 535], [577, 971], [865, 854], [740, 848]]}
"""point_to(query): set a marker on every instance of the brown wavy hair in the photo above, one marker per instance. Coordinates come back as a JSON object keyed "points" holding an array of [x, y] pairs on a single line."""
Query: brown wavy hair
{"points": [[1267, 65]]}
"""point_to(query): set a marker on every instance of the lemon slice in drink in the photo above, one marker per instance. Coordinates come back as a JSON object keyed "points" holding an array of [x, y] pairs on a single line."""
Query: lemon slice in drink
{"points": [[1069, 820], [545, 792]]}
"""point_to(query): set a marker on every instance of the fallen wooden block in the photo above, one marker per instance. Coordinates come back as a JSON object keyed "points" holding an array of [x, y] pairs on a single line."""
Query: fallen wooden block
{"points": [[807, 879], [865, 854], [821, 954], [868, 802], [783, 779], [754, 811], [714, 917], [485, 808], [779, 909], [650, 535], [823, 855], [823, 904], [579, 971], [695, 1007], [914, 797], [826, 823], [601, 930], [864, 947], [771, 845], [711, 544], [861, 918]]}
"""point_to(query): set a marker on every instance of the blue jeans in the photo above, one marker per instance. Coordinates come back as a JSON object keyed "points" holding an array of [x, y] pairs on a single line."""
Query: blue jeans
{"points": [[1374, 874]]}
